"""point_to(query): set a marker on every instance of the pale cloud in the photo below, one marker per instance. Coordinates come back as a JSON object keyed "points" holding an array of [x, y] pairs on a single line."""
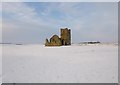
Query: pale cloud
{"points": [[21, 14], [0, 22], [60, 0], [89, 21], [19, 11], [22, 19]]}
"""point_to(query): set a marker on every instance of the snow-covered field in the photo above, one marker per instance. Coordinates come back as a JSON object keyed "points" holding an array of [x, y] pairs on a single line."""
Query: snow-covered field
{"points": [[0, 64], [65, 64]]}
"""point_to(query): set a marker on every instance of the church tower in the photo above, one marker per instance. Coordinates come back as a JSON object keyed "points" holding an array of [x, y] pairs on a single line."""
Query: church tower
{"points": [[66, 36]]}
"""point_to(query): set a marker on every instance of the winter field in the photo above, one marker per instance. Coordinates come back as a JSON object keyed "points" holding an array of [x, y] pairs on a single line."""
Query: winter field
{"points": [[36, 63], [0, 64]]}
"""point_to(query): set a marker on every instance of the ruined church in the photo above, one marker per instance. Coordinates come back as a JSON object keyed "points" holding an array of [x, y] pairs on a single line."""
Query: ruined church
{"points": [[64, 39]]}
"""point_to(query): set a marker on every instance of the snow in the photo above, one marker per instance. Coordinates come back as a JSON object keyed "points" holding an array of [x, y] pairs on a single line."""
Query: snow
{"points": [[66, 64], [0, 64]]}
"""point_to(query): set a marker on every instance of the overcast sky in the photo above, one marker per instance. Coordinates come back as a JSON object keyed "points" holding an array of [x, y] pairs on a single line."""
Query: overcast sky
{"points": [[33, 22]]}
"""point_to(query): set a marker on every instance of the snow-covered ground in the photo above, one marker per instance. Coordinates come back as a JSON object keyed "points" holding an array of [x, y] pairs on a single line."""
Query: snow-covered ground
{"points": [[0, 64], [65, 64]]}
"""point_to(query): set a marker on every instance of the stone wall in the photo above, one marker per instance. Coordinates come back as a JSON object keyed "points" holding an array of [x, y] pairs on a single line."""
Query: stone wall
{"points": [[65, 38]]}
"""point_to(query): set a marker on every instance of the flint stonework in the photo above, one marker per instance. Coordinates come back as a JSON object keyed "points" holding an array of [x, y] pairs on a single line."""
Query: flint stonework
{"points": [[65, 38]]}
